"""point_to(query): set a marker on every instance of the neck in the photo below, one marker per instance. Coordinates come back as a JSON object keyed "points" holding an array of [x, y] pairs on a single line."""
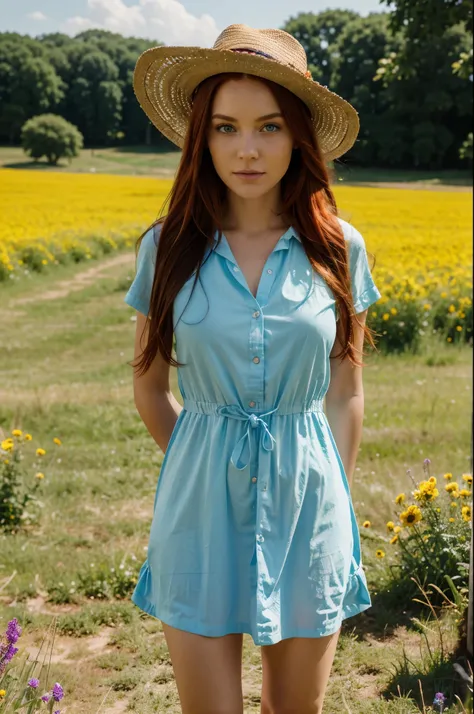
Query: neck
{"points": [[253, 216]]}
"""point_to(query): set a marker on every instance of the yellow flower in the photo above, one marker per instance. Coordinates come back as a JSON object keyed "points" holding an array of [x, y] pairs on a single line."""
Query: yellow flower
{"points": [[7, 445], [466, 513], [39, 475], [452, 488], [411, 516], [40, 452], [426, 492], [394, 539], [397, 529], [17, 432], [386, 316], [432, 479], [467, 478], [400, 498], [57, 441], [3, 692], [448, 477], [28, 437], [464, 493], [452, 308], [452, 520], [454, 504], [390, 525], [366, 524], [380, 554]]}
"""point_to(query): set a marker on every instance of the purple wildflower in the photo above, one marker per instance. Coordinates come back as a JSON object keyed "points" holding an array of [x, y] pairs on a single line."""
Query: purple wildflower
{"points": [[58, 692], [13, 631], [427, 462], [33, 682], [439, 700], [57, 711], [45, 698], [7, 652]]}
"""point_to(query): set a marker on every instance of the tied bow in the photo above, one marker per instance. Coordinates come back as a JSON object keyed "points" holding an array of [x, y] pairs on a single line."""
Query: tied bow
{"points": [[241, 454]]}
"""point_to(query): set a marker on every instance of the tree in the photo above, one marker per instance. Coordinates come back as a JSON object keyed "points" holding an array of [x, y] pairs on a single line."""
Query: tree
{"points": [[318, 35], [29, 84], [51, 136]]}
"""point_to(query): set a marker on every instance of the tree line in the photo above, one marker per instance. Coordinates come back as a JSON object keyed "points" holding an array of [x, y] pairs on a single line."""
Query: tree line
{"points": [[410, 80]]}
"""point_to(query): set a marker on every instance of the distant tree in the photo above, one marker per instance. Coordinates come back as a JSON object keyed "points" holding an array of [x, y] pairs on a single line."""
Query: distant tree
{"points": [[51, 136], [318, 34], [29, 84]]}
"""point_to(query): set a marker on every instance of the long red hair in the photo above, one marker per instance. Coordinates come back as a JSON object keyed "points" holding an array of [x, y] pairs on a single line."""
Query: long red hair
{"points": [[196, 201]]}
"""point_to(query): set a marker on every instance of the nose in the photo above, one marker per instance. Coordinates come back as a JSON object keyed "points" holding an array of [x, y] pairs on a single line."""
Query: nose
{"points": [[248, 146]]}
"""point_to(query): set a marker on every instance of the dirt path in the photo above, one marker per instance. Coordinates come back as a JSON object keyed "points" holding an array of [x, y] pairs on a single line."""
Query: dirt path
{"points": [[81, 280]]}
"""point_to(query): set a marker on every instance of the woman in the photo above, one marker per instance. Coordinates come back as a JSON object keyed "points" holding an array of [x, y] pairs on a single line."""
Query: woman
{"points": [[253, 527]]}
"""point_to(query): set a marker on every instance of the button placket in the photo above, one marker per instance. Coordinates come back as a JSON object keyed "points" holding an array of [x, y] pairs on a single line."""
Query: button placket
{"points": [[256, 368]]}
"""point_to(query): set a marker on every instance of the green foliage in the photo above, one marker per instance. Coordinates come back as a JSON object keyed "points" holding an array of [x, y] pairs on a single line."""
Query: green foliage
{"points": [[433, 540], [381, 64], [19, 504], [51, 136]]}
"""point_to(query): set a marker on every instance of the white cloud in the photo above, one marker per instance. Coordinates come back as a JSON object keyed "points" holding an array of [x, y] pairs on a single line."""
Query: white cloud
{"points": [[166, 21], [40, 16]]}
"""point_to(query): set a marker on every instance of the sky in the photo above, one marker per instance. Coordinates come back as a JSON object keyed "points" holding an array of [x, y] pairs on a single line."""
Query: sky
{"points": [[173, 22]]}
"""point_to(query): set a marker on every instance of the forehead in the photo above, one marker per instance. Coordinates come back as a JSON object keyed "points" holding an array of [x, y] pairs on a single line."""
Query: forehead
{"points": [[244, 93]]}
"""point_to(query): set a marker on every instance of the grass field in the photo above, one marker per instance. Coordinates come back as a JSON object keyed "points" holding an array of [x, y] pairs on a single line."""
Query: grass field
{"points": [[67, 336], [67, 339], [162, 162]]}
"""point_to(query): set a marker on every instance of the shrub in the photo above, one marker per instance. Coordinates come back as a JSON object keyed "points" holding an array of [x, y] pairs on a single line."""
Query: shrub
{"points": [[51, 136]]}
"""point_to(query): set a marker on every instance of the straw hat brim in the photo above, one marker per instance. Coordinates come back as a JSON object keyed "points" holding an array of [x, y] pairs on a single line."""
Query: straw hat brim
{"points": [[165, 77]]}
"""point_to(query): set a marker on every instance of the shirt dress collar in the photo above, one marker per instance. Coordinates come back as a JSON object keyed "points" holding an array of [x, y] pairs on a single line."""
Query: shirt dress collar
{"points": [[223, 247]]}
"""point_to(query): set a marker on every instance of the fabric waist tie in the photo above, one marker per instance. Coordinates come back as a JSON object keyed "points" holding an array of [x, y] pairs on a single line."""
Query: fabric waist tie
{"points": [[242, 450]]}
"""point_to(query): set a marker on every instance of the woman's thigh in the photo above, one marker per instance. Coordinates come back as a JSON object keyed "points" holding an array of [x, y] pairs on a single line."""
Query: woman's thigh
{"points": [[207, 670], [296, 673]]}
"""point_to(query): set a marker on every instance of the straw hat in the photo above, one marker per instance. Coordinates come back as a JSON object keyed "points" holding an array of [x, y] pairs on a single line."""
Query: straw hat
{"points": [[165, 78]]}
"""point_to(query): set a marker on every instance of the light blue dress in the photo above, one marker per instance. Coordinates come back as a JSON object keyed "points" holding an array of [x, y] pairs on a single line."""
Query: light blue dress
{"points": [[253, 526]]}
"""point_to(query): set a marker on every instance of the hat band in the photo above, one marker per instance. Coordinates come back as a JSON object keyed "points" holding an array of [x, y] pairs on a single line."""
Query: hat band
{"points": [[253, 52]]}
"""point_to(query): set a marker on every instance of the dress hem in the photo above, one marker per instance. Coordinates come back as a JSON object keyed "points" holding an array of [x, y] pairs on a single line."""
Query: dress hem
{"points": [[348, 611]]}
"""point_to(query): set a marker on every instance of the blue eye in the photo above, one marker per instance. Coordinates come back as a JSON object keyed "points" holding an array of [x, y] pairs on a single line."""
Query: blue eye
{"points": [[221, 126]]}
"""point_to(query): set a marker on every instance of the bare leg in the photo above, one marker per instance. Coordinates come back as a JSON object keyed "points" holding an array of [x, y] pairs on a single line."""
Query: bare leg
{"points": [[295, 674], [208, 671]]}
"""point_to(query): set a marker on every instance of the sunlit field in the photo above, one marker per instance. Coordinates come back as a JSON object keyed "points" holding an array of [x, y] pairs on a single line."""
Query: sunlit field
{"points": [[419, 241], [71, 438]]}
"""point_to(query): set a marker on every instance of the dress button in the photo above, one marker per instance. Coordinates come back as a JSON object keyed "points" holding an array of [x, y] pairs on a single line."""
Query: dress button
{"points": [[236, 270], [256, 313], [256, 360], [254, 479], [251, 404], [269, 271]]}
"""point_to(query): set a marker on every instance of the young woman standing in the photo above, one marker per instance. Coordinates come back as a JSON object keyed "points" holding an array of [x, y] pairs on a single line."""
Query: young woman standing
{"points": [[262, 291]]}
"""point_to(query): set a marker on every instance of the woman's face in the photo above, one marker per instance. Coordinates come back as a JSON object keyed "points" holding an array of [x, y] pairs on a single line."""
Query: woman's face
{"points": [[240, 139]]}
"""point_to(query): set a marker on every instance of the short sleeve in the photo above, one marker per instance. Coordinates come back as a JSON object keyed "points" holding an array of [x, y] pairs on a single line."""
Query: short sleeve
{"points": [[139, 292], [364, 290]]}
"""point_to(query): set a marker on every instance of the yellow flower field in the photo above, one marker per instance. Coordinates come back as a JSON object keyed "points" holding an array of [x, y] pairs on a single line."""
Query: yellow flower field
{"points": [[54, 212], [421, 239]]}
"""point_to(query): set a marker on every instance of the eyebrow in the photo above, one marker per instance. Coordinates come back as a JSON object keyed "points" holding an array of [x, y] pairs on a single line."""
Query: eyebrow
{"points": [[266, 116]]}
